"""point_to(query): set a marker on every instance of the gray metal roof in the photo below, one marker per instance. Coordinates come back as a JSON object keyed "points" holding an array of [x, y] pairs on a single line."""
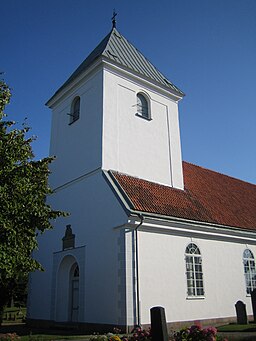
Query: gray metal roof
{"points": [[118, 49]]}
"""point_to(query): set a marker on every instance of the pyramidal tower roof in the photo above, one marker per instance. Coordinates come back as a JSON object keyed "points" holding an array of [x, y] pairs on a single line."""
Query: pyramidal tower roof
{"points": [[119, 50]]}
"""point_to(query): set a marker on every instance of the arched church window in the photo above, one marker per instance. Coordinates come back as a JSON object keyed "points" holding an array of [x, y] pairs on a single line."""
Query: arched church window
{"points": [[194, 271], [143, 106], [75, 110], [249, 271]]}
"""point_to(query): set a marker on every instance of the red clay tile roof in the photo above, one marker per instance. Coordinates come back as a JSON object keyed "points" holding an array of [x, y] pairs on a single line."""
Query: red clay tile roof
{"points": [[208, 197]]}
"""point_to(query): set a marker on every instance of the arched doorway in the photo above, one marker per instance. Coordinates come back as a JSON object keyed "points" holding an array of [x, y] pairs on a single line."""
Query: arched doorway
{"points": [[74, 293], [67, 290]]}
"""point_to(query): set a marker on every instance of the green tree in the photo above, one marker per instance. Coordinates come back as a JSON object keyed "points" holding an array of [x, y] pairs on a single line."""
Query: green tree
{"points": [[23, 209]]}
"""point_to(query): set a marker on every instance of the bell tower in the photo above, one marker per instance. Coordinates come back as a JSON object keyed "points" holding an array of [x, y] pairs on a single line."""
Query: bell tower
{"points": [[115, 112], [118, 112]]}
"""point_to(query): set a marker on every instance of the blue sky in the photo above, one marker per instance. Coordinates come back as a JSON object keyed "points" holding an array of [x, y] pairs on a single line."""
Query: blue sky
{"points": [[205, 47]]}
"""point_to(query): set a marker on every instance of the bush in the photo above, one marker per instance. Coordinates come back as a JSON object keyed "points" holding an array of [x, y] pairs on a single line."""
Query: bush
{"points": [[197, 333], [115, 338], [99, 338], [140, 334], [9, 337]]}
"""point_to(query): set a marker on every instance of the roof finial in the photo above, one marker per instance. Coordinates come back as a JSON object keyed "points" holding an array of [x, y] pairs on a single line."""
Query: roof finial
{"points": [[114, 19]]}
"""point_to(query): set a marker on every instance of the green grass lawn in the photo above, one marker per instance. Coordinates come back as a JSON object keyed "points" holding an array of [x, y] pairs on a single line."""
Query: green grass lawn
{"points": [[13, 319], [27, 334], [251, 327], [43, 337]]}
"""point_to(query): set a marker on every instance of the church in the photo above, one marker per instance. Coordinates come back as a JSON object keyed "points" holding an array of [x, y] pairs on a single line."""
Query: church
{"points": [[145, 228]]}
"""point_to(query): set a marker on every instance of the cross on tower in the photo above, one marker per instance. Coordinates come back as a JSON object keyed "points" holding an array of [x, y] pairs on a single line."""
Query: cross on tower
{"points": [[114, 18]]}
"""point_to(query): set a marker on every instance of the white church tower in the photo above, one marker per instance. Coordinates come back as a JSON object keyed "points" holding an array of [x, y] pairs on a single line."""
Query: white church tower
{"points": [[116, 112]]}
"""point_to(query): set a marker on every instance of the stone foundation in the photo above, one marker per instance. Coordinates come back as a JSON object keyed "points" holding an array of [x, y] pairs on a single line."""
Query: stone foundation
{"points": [[75, 327], [90, 328]]}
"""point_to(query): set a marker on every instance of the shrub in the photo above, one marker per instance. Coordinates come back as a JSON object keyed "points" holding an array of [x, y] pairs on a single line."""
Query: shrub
{"points": [[117, 330], [9, 337], [99, 338], [140, 334], [115, 338], [197, 333], [108, 337]]}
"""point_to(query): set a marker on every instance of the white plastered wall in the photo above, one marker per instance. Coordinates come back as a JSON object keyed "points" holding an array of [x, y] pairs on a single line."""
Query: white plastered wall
{"points": [[146, 149], [77, 146], [94, 212], [162, 277]]}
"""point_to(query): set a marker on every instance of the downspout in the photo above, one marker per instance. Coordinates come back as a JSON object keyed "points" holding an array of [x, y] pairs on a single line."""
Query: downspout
{"points": [[137, 270]]}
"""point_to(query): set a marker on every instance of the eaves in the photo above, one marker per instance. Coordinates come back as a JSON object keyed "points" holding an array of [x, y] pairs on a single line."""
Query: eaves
{"points": [[176, 225]]}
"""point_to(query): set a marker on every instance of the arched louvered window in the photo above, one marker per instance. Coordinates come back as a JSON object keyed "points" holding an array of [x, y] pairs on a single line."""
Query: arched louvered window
{"points": [[249, 271], [75, 110], [194, 272], [143, 106]]}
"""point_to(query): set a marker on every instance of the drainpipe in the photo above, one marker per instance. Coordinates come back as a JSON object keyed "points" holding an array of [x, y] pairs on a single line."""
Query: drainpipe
{"points": [[137, 269]]}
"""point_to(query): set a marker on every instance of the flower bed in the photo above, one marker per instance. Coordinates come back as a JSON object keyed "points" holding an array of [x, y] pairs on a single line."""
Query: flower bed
{"points": [[197, 333], [138, 334], [193, 333]]}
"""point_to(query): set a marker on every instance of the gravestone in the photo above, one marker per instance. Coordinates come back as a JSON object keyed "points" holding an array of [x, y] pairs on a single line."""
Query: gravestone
{"points": [[253, 299], [158, 324], [241, 313]]}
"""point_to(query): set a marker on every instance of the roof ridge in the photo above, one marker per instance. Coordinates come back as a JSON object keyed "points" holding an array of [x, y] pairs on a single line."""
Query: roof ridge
{"points": [[219, 173], [148, 61], [86, 62], [166, 82], [126, 55]]}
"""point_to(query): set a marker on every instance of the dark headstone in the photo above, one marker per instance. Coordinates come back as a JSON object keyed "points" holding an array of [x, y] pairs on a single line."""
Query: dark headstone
{"points": [[68, 241], [253, 298], [158, 324], [241, 313]]}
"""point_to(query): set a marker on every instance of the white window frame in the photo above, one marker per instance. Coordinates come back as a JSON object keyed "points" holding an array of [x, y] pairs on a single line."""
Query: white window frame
{"points": [[194, 272], [249, 271]]}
